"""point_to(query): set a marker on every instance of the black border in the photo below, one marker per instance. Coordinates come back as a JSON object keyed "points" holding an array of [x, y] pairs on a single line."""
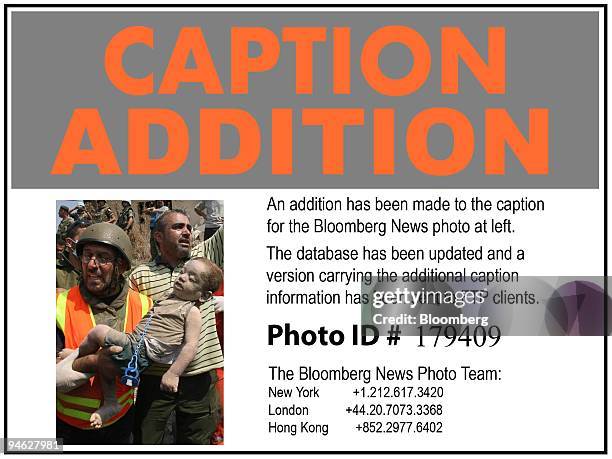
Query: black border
{"points": [[213, 450]]}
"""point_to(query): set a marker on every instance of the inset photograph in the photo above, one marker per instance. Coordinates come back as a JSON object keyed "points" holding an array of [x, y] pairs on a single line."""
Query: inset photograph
{"points": [[139, 322]]}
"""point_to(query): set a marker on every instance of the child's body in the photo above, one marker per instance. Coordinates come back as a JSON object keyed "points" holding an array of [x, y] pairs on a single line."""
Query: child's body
{"points": [[171, 338]]}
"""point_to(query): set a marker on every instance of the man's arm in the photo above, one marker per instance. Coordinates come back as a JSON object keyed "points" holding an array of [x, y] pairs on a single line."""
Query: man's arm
{"points": [[112, 218], [130, 222], [211, 248], [193, 326]]}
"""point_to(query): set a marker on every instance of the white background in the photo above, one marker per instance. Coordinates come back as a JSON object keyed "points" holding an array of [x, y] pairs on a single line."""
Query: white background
{"points": [[550, 397], [549, 387]]}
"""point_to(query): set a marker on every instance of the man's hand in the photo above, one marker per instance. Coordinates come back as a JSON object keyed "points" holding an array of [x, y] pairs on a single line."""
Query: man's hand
{"points": [[169, 382], [89, 363]]}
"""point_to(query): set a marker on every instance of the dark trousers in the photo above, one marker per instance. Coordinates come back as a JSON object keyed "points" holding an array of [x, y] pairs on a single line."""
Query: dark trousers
{"points": [[196, 417], [118, 433]]}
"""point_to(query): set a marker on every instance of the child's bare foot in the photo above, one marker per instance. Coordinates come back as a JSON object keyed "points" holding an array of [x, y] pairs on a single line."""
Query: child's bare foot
{"points": [[95, 420], [104, 413]]}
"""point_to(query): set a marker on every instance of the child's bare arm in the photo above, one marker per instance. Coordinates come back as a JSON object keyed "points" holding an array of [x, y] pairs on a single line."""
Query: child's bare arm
{"points": [[193, 326]]}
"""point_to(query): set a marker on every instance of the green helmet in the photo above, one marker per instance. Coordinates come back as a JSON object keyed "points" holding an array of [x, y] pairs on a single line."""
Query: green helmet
{"points": [[109, 234]]}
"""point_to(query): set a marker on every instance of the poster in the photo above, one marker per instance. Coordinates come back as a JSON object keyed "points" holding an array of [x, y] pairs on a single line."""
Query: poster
{"points": [[414, 212]]}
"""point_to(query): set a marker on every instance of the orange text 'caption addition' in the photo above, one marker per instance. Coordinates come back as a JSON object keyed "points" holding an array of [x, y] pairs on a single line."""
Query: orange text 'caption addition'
{"points": [[383, 126]]}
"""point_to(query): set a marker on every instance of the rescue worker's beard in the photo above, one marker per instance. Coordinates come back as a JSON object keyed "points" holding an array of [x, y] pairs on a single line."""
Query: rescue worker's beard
{"points": [[114, 286], [183, 252], [115, 283], [183, 247]]}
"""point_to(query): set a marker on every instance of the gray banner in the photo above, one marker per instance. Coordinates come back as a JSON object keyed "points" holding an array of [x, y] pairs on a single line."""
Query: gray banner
{"points": [[57, 65]]}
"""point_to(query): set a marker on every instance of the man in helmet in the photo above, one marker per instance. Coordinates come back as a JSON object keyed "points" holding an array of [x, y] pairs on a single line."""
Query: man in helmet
{"points": [[79, 212], [68, 265], [91, 207], [103, 213], [126, 217], [67, 220], [102, 297]]}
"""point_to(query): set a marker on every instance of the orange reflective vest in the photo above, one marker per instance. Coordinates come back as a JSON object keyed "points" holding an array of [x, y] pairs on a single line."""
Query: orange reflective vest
{"points": [[75, 318]]}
